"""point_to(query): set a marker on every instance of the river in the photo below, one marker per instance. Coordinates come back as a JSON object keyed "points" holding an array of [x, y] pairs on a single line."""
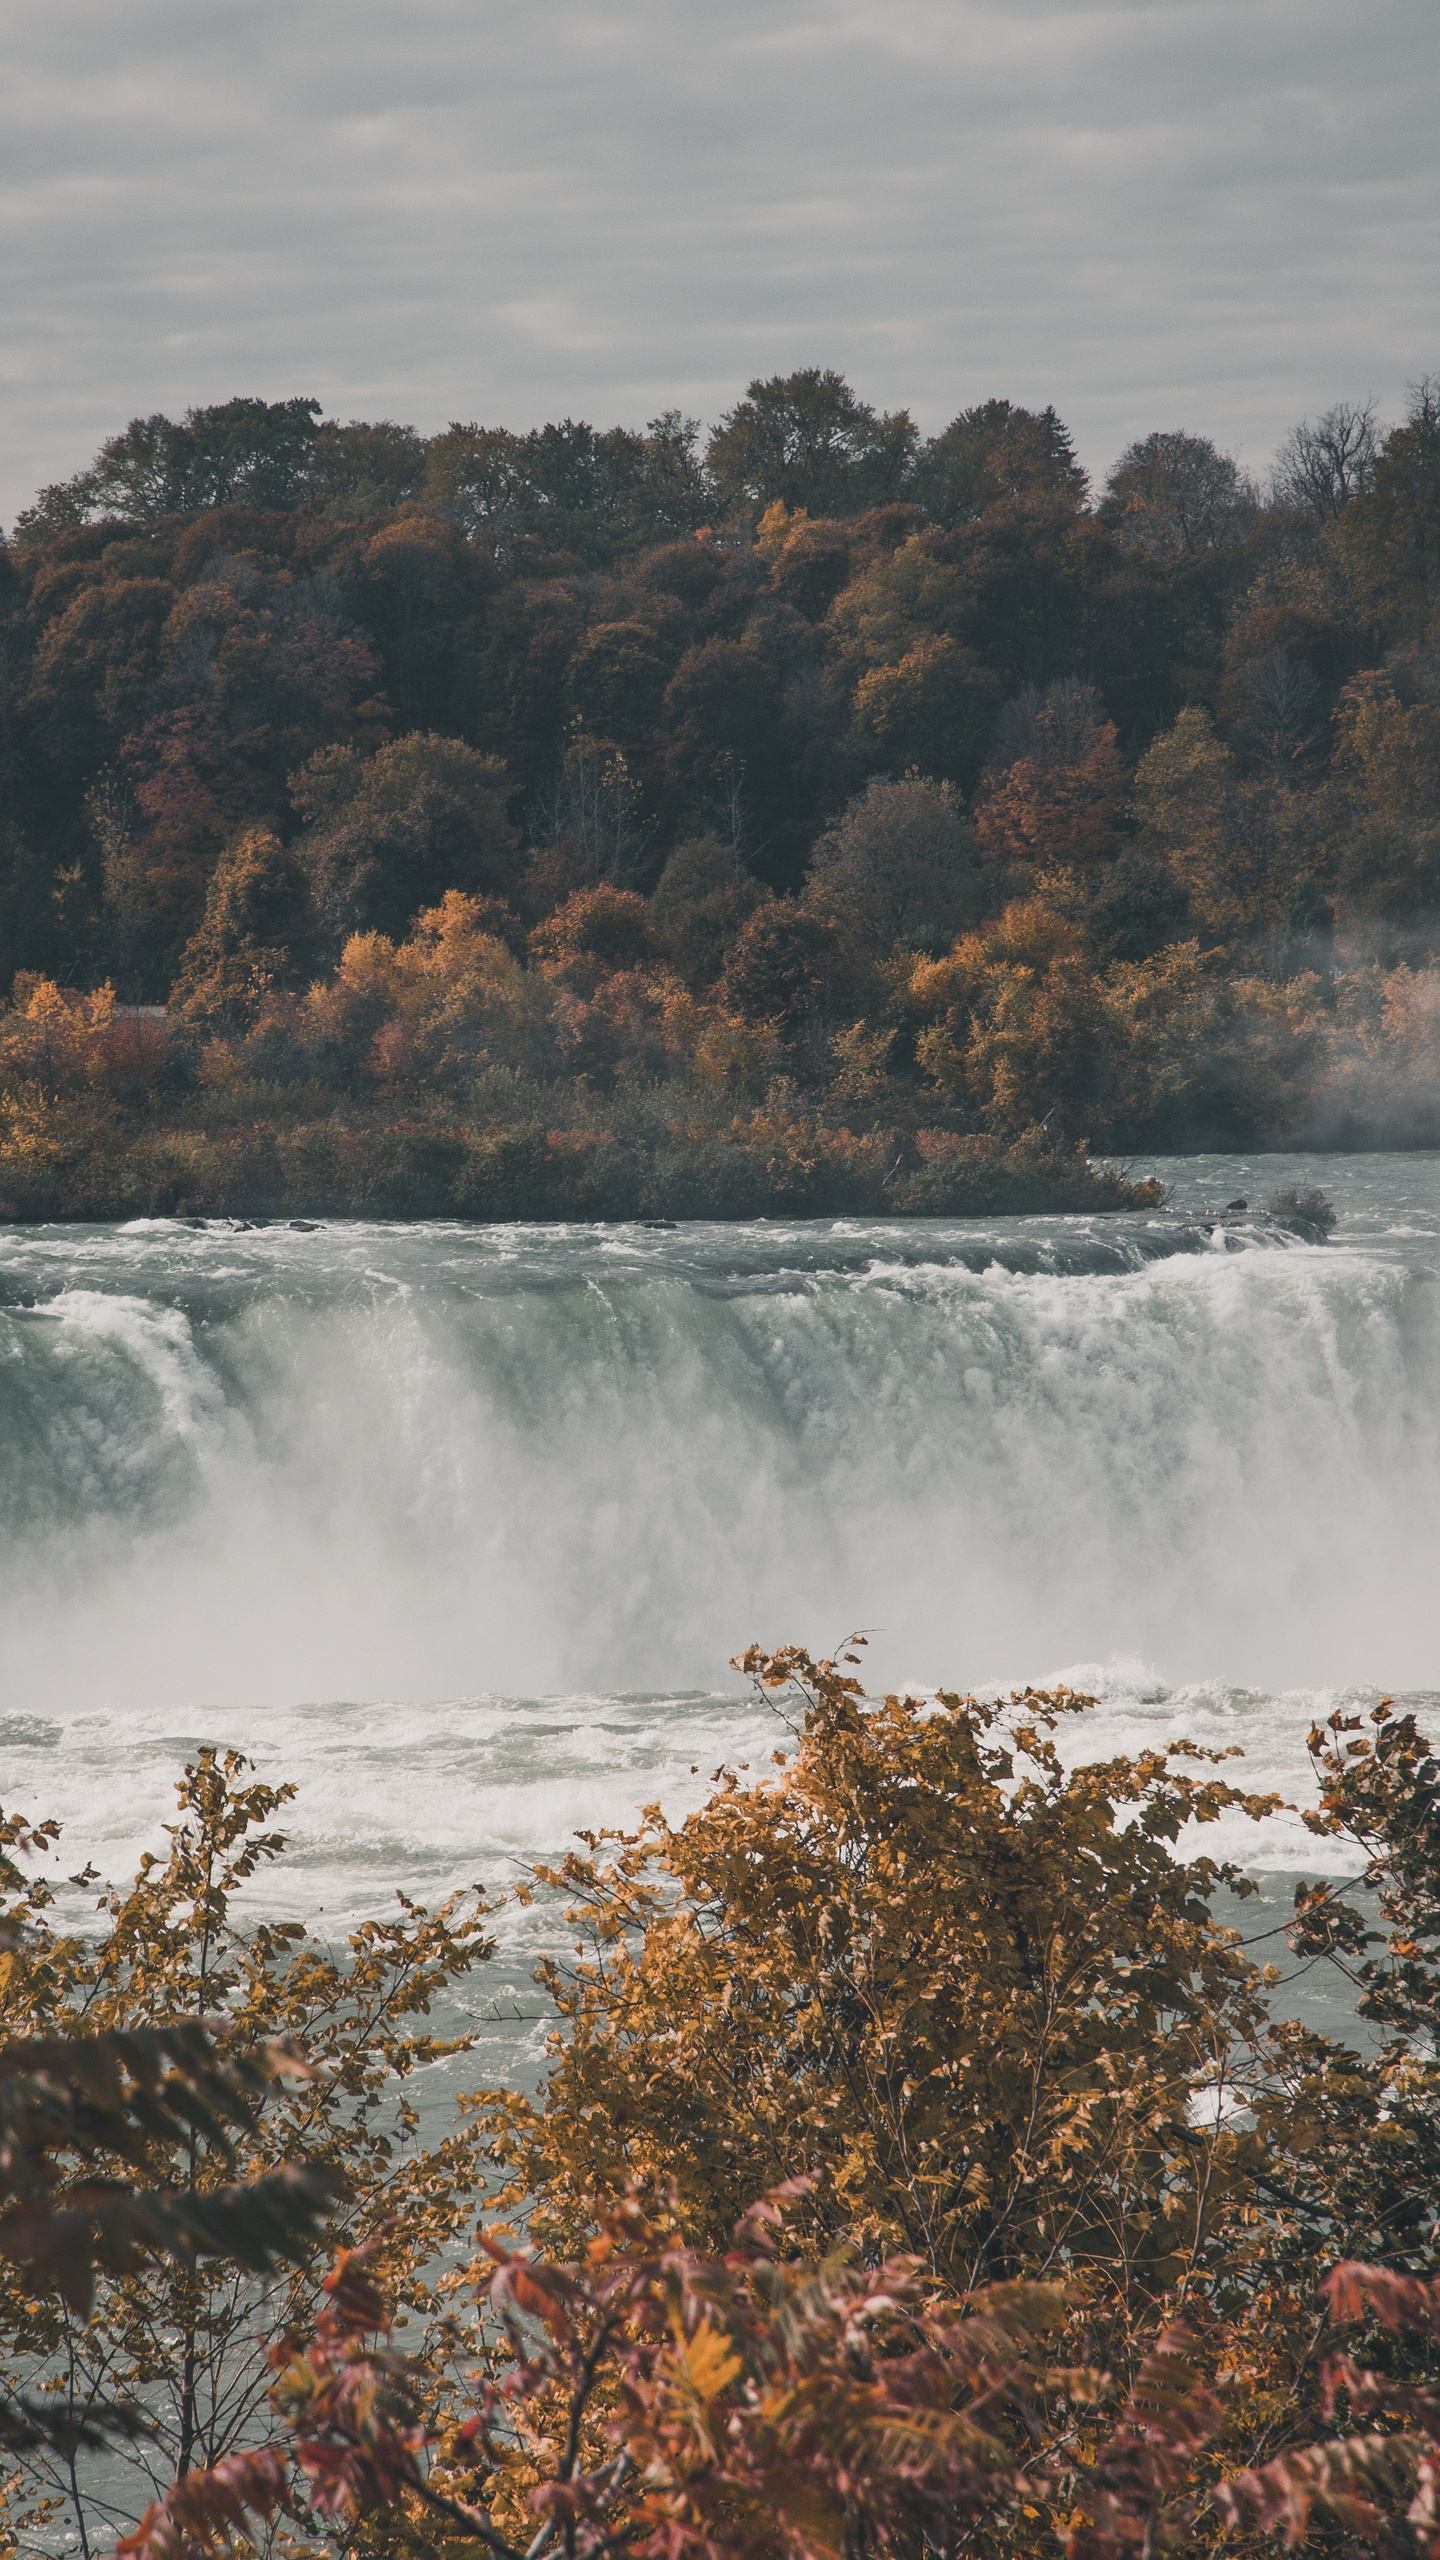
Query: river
{"points": [[458, 1527]]}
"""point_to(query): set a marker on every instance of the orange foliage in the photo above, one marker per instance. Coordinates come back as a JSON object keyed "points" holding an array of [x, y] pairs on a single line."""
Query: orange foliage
{"points": [[596, 931], [57, 1038], [1054, 812], [742, 2406]]}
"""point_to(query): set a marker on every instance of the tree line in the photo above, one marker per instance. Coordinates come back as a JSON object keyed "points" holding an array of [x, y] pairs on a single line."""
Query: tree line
{"points": [[548, 785]]}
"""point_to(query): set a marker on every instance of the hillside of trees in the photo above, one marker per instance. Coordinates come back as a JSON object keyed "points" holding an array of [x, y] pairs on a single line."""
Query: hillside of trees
{"points": [[806, 816]]}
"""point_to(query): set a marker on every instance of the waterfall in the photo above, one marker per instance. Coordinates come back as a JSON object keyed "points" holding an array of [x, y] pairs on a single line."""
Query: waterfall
{"points": [[309, 1487]]}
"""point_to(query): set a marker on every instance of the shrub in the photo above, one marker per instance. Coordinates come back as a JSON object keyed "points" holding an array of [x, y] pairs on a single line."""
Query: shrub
{"points": [[136, 2277]]}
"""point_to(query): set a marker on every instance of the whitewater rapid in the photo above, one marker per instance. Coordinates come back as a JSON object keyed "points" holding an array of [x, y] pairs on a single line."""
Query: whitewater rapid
{"points": [[458, 1528]]}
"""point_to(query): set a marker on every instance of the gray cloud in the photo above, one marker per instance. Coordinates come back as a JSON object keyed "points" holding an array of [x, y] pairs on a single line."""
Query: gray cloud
{"points": [[1215, 213]]}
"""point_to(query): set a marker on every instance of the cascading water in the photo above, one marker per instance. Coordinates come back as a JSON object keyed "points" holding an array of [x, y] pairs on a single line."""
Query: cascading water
{"points": [[289, 1490]]}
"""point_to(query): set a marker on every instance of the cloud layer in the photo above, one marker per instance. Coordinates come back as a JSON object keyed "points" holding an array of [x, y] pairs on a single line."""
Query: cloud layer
{"points": [[1215, 213]]}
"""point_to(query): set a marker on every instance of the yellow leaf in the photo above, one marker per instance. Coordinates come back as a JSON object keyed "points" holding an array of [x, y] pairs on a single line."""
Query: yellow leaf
{"points": [[707, 2362]]}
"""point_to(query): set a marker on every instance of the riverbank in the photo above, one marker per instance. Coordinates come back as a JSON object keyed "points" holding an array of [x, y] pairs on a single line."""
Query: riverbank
{"points": [[279, 1153]]}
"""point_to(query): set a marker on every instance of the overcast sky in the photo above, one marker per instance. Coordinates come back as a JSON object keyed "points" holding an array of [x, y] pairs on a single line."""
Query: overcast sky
{"points": [[1220, 214]]}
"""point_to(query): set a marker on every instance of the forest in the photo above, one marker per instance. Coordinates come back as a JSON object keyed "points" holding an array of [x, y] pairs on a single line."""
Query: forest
{"points": [[925, 2159], [808, 817]]}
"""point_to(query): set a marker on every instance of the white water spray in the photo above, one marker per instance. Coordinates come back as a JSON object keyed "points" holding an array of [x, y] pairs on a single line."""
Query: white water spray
{"points": [[247, 1479]]}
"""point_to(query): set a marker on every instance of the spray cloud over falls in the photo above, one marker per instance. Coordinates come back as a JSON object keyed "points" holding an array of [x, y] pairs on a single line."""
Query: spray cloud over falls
{"points": [[422, 1463], [247, 1476]]}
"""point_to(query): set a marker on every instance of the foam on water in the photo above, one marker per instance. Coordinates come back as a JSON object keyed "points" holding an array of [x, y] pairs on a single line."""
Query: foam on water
{"points": [[287, 1491]]}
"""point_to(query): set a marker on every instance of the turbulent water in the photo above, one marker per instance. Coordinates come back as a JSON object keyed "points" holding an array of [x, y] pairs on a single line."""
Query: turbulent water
{"points": [[459, 1527]]}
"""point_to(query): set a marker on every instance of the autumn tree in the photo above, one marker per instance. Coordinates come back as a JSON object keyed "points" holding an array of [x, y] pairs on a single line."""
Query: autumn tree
{"points": [[1390, 536], [387, 835], [1276, 708], [570, 488], [593, 818], [701, 900], [811, 559], [731, 738], [993, 452], [928, 712], [1238, 843], [1019, 1024], [366, 466], [95, 671], [259, 668], [1136, 907], [617, 681], [1052, 789], [1387, 765], [965, 2008], [1327, 461], [985, 2002], [265, 454], [788, 966], [655, 2399], [597, 931], [807, 439], [421, 594], [100, 2127], [1014, 591], [151, 2300], [257, 453], [1173, 493], [257, 933], [973, 1992], [900, 866]]}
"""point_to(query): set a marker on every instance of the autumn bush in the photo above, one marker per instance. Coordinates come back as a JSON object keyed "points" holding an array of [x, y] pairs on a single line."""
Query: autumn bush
{"points": [[441, 1077], [231, 2082], [920, 2163], [961, 1992]]}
